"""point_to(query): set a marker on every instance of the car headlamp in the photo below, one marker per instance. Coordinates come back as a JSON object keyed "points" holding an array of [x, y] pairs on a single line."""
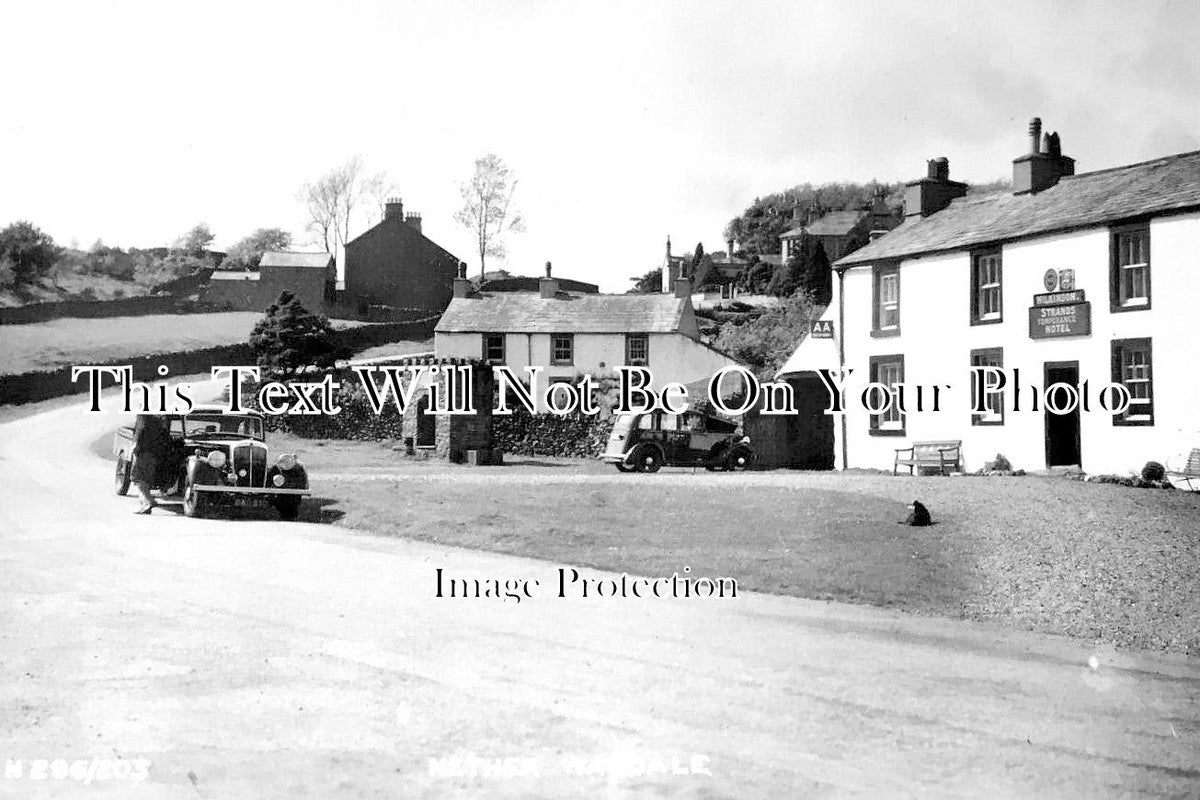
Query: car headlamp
{"points": [[278, 480], [215, 459], [286, 461]]}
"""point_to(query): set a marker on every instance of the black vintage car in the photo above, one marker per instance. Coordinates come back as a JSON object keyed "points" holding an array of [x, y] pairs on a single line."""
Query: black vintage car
{"points": [[645, 442], [219, 459]]}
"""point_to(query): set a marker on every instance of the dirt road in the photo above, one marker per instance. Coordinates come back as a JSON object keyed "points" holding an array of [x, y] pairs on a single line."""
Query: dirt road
{"points": [[246, 659]]}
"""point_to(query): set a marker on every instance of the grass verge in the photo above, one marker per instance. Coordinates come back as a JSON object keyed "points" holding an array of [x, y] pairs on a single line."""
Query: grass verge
{"points": [[1105, 563]]}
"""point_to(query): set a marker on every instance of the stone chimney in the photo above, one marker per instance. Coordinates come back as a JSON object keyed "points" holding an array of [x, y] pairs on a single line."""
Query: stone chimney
{"points": [[1043, 165], [414, 220], [548, 286], [393, 209], [462, 284], [683, 287], [934, 192]]}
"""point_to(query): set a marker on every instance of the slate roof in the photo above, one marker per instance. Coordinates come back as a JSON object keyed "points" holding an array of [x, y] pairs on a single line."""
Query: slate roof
{"points": [[528, 312], [836, 223], [1168, 184], [524, 283], [284, 258]]}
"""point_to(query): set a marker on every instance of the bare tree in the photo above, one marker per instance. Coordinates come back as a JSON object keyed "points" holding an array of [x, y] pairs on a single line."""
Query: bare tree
{"points": [[487, 207], [333, 199]]}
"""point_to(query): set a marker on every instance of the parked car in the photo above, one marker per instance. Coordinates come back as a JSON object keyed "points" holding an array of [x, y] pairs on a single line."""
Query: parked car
{"points": [[645, 442], [219, 460]]}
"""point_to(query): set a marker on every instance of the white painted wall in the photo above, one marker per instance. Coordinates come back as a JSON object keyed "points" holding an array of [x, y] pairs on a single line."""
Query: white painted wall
{"points": [[673, 356], [936, 340]]}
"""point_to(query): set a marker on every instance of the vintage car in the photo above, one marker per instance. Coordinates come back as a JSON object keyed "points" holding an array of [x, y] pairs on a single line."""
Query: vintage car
{"points": [[219, 460], [645, 442]]}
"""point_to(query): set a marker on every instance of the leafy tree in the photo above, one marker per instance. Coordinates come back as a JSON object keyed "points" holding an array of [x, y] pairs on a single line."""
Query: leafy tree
{"points": [[8, 277], [487, 208], [767, 341], [697, 258], [649, 283], [290, 337], [757, 277], [817, 279], [249, 251], [151, 270], [785, 279], [758, 228], [196, 241], [29, 251]]}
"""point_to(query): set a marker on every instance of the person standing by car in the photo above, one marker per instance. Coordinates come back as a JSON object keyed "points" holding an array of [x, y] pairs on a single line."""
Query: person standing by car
{"points": [[151, 450]]}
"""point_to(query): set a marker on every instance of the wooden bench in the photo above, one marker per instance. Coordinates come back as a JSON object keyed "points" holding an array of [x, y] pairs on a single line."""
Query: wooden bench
{"points": [[945, 456], [1187, 477]]}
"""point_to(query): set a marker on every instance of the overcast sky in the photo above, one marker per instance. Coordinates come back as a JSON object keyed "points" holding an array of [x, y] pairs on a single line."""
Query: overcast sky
{"points": [[625, 122]]}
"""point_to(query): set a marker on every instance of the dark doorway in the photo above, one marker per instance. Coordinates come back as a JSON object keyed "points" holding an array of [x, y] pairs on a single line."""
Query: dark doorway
{"points": [[811, 431], [426, 424], [1062, 430]]}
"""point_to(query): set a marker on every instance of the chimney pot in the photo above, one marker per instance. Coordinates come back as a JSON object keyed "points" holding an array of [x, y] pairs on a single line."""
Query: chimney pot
{"points": [[1044, 165], [462, 285], [933, 192], [548, 286]]}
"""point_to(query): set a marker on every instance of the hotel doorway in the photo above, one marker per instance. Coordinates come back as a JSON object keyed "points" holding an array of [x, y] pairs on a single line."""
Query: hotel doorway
{"points": [[1062, 430]]}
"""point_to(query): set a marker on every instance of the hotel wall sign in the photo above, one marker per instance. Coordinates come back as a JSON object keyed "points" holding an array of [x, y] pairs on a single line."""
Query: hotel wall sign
{"points": [[1066, 319]]}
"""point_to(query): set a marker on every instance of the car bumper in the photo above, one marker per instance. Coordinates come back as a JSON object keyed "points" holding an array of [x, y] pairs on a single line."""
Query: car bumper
{"points": [[199, 487]]}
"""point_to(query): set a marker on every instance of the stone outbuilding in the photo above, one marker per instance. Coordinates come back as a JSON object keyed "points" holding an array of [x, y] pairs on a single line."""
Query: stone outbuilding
{"points": [[458, 438]]}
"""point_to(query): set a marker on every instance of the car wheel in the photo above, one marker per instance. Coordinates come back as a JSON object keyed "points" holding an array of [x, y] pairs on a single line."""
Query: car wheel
{"points": [[623, 467], [193, 501], [288, 508], [740, 458], [646, 459], [122, 478]]}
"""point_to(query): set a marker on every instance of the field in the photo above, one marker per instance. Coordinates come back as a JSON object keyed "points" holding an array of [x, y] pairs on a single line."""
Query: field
{"points": [[62, 342], [1099, 562]]}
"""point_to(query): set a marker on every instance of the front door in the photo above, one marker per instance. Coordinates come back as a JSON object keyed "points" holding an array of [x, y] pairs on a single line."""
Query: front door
{"points": [[1062, 430]]}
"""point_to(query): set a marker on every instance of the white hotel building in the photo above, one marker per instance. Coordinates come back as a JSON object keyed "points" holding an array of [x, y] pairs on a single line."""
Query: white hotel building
{"points": [[1068, 278]]}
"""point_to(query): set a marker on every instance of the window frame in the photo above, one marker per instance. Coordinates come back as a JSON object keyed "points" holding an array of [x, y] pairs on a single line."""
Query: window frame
{"points": [[503, 349], [879, 272], [876, 424], [629, 339], [569, 361], [978, 257], [1145, 416], [993, 419], [1116, 276]]}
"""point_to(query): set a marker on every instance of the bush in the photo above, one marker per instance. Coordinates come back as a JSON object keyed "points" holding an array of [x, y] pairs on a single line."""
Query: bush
{"points": [[1002, 463], [290, 338], [1153, 471], [765, 342]]}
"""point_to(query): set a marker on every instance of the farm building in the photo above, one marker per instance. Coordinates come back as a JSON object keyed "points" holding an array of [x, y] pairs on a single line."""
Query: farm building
{"points": [[309, 276]]}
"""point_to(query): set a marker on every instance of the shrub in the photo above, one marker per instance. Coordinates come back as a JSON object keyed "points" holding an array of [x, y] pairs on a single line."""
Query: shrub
{"points": [[1002, 463], [290, 338], [1153, 471]]}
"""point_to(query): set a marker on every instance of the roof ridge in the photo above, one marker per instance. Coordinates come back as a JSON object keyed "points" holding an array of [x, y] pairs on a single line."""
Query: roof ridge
{"points": [[1135, 165]]}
